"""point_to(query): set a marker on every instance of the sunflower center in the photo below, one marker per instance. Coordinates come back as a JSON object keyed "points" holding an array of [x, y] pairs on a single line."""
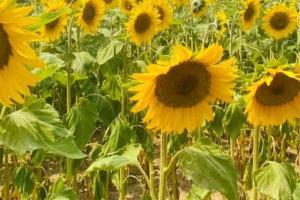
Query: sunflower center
{"points": [[279, 21], [198, 6], [51, 25], [185, 85], [161, 12], [249, 12], [128, 5], [282, 90], [5, 48], [142, 23], [89, 12]]}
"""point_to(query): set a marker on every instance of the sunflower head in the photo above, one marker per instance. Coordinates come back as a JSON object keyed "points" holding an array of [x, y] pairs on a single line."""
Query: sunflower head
{"points": [[126, 6], [250, 13], [221, 21], [280, 21], [52, 30], [143, 23], [274, 99], [16, 53], [90, 15], [177, 94], [200, 7], [165, 12]]}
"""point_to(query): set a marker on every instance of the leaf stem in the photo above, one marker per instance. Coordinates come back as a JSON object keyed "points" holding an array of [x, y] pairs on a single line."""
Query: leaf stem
{"points": [[163, 171], [255, 162]]}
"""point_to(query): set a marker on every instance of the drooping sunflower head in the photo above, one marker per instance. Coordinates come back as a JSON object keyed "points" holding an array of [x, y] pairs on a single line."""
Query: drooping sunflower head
{"points": [[200, 7], [91, 13], [250, 14], [110, 4], [280, 21], [126, 6], [53, 30], [165, 12], [274, 99], [143, 23], [177, 94], [16, 53], [221, 21]]}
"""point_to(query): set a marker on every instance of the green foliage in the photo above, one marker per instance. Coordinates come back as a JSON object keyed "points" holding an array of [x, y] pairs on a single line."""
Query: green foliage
{"points": [[81, 121], [24, 180], [37, 126], [210, 168], [276, 180], [62, 192], [108, 51], [128, 156]]}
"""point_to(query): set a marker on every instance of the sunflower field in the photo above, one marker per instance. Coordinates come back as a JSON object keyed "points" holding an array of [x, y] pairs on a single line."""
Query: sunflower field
{"points": [[149, 100]]}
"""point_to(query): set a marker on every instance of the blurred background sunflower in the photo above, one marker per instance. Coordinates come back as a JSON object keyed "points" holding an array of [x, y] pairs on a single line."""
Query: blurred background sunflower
{"points": [[91, 13], [110, 4], [280, 21], [250, 13], [52, 31], [221, 24], [275, 98], [180, 2], [16, 54], [165, 11], [143, 24], [177, 94], [126, 5], [200, 7]]}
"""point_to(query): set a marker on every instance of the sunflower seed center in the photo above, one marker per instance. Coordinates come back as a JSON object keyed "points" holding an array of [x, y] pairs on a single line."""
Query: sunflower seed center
{"points": [[185, 85], [89, 12], [128, 5], [5, 48], [51, 25], [249, 12], [282, 90], [142, 23], [279, 21], [198, 6]]}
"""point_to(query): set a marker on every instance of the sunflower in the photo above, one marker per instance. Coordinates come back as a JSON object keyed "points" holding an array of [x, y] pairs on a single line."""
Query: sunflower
{"points": [[52, 30], [90, 15], [221, 21], [181, 2], [250, 14], [16, 54], [200, 7], [274, 99], [165, 12], [143, 23], [177, 94], [110, 4], [72, 3], [280, 21], [126, 6]]}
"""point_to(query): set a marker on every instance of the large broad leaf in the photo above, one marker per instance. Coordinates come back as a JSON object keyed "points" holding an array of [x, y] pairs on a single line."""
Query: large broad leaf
{"points": [[108, 109], [217, 123], [197, 193], [48, 17], [107, 52], [233, 120], [62, 192], [24, 180], [128, 157], [296, 194], [83, 61], [37, 126], [118, 135], [111, 86], [276, 180], [81, 121], [210, 168]]}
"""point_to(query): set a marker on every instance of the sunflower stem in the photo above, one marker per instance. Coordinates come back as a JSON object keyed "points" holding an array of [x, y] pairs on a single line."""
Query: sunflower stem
{"points": [[69, 100], [255, 162], [122, 172], [163, 172], [7, 175]]}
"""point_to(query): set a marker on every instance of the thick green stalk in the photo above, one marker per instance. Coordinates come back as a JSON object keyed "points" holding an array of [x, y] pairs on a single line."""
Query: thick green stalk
{"points": [[69, 100], [152, 180], [122, 172], [255, 162], [163, 162]]}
